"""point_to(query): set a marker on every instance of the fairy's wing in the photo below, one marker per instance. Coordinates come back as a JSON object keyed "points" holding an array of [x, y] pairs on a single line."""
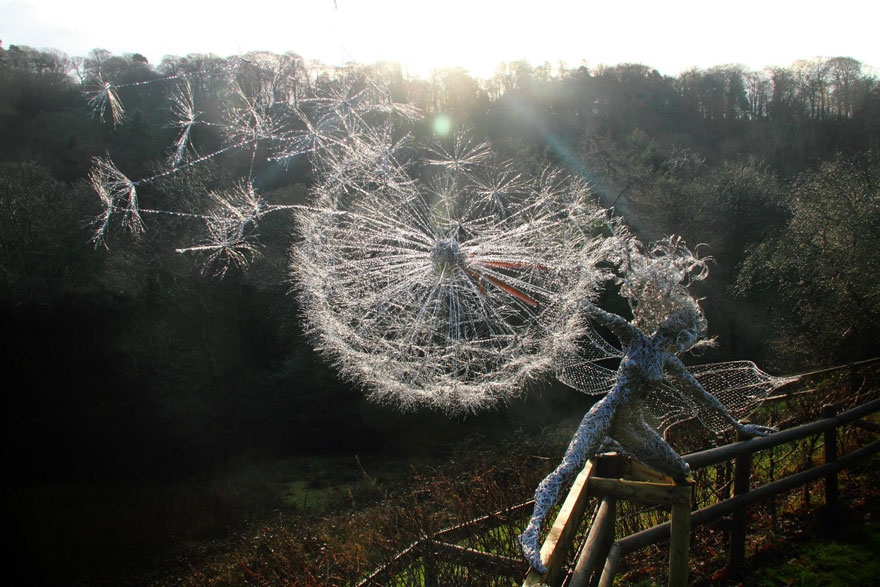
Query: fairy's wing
{"points": [[584, 375], [739, 385], [668, 405], [582, 372]]}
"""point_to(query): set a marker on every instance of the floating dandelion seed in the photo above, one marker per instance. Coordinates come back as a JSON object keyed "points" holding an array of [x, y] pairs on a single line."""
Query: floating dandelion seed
{"points": [[500, 180], [105, 98], [118, 194], [253, 118], [231, 237], [229, 243], [184, 110], [459, 153], [309, 137]]}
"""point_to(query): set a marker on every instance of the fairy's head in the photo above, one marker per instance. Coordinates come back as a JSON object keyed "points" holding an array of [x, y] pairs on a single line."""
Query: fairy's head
{"points": [[684, 329]]}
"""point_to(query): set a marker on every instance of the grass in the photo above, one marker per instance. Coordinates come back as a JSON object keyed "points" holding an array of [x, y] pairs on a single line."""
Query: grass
{"points": [[819, 552], [847, 562]]}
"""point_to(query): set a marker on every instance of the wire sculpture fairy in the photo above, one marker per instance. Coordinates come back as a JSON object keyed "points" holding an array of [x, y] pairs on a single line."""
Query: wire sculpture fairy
{"points": [[652, 389]]}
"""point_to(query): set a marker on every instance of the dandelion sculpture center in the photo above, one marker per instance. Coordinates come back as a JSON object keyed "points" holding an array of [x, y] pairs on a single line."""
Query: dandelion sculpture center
{"points": [[447, 256]]}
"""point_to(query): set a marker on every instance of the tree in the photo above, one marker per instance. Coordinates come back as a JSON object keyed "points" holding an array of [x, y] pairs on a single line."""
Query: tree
{"points": [[43, 249], [820, 274], [759, 89], [720, 92]]}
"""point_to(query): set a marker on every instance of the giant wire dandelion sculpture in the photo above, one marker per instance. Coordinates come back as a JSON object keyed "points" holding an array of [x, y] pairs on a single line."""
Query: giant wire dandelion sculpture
{"points": [[432, 292], [440, 275]]}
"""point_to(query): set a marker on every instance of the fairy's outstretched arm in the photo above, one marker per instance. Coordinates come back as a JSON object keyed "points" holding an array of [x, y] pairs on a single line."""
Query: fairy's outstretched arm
{"points": [[698, 393], [620, 326]]}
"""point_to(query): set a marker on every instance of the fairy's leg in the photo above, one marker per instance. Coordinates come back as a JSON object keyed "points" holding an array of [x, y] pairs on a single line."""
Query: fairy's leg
{"points": [[642, 442], [586, 442]]}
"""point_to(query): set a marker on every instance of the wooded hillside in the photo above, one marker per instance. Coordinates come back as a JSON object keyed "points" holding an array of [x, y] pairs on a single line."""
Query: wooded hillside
{"points": [[127, 361]]}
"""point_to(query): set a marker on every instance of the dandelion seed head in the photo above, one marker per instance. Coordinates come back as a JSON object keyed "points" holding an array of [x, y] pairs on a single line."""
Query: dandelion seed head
{"points": [[420, 290], [434, 275]]}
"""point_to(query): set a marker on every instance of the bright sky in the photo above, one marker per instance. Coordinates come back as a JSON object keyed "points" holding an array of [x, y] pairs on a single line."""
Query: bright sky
{"points": [[670, 36]]}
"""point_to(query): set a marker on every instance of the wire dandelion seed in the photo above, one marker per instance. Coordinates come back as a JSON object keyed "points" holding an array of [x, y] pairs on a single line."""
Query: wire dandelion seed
{"points": [[460, 155], [253, 118], [103, 99], [310, 137], [186, 117], [231, 238], [118, 195]]}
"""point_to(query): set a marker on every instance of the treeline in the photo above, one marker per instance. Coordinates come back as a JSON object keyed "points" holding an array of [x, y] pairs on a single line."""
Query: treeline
{"points": [[131, 362]]}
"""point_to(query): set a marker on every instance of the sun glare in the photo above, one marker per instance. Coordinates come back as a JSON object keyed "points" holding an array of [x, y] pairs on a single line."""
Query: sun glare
{"points": [[442, 125]]}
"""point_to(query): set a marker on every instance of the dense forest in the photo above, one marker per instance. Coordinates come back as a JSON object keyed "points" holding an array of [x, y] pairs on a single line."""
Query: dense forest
{"points": [[125, 361]]}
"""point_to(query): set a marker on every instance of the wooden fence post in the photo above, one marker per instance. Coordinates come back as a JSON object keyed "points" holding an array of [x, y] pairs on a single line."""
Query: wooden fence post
{"points": [[680, 536], [428, 564], [831, 490], [595, 550], [742, 472]]}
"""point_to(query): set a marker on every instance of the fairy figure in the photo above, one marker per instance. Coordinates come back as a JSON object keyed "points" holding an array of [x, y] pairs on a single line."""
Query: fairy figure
{"points": [[649, 362]]}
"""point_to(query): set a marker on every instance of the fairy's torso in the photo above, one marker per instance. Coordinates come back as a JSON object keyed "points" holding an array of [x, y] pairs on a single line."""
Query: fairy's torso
{"points": [[642, 366]]}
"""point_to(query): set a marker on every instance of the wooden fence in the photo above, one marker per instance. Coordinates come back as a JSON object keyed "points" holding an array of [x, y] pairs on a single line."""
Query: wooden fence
{"points": [[594, 567], [612, 479]]}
